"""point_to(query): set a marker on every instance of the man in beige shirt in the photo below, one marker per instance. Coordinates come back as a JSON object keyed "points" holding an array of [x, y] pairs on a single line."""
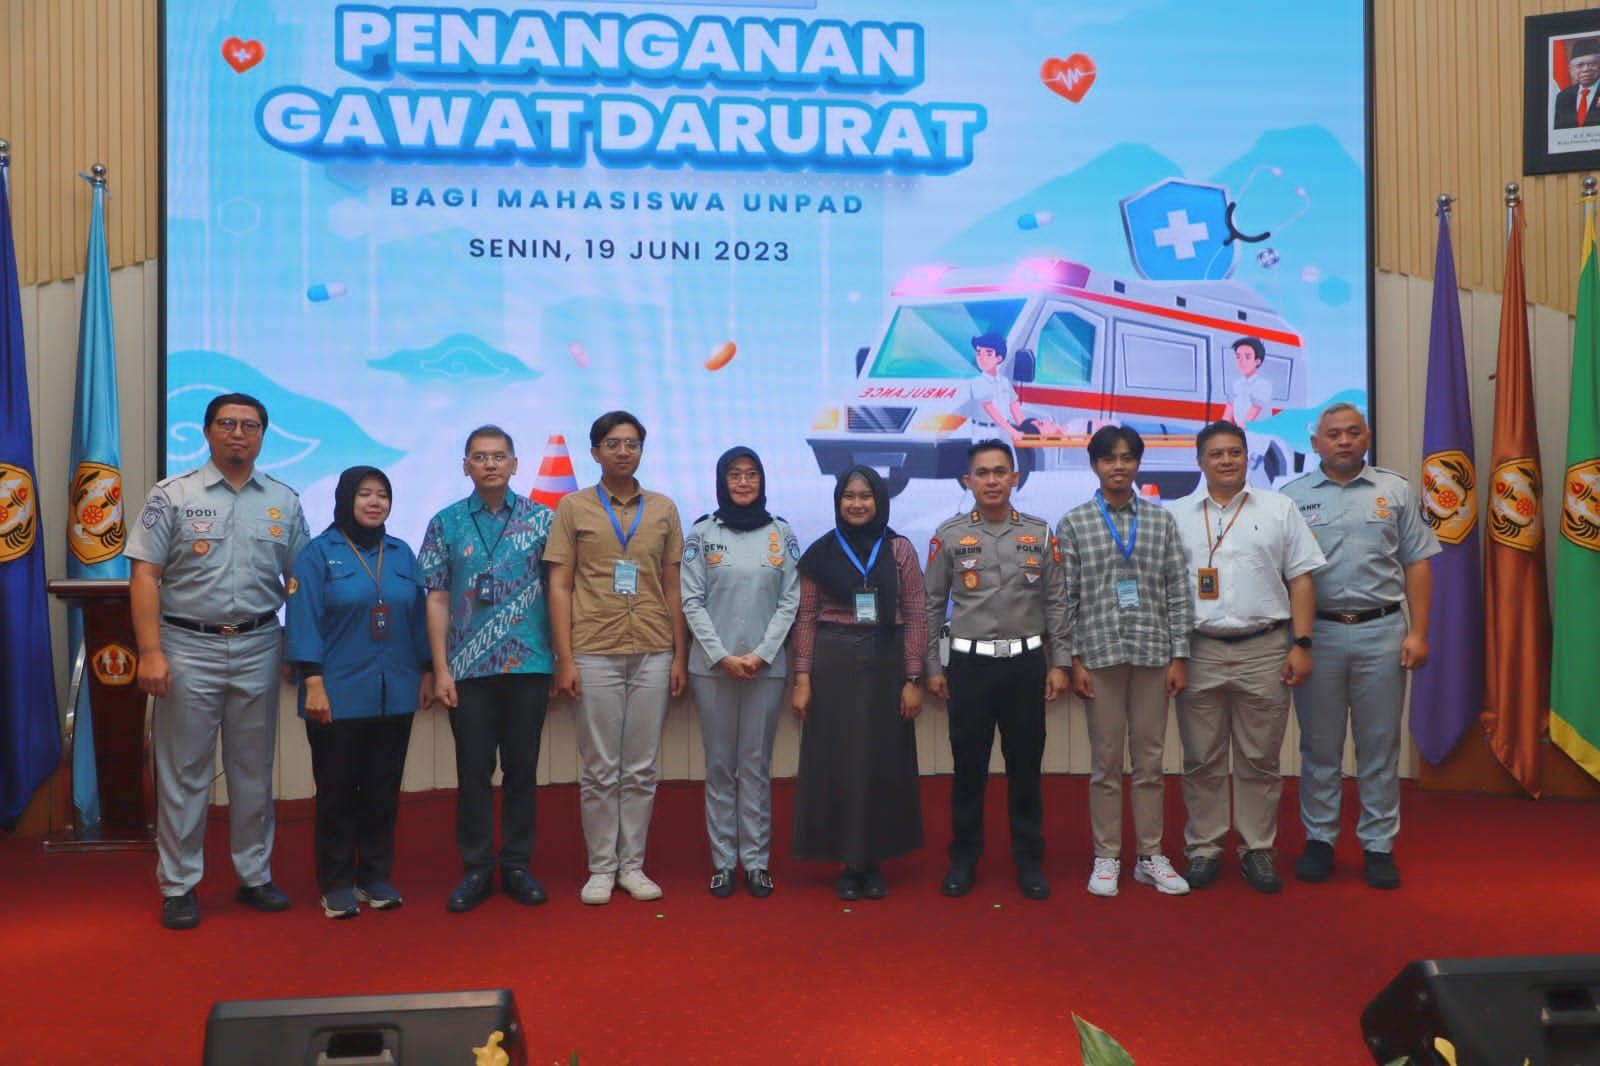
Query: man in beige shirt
{"points": [[621, 647]]}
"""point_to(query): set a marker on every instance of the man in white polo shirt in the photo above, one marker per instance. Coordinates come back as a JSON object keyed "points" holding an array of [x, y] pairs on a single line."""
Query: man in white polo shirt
{"points": [[1250, 558]]}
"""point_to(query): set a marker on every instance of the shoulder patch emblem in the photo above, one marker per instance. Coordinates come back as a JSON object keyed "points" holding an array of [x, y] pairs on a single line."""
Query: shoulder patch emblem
{"points": [[935, 545]]}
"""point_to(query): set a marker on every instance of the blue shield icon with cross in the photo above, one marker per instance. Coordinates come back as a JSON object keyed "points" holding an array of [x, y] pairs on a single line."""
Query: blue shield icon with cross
{"points": [[1178, 231]]}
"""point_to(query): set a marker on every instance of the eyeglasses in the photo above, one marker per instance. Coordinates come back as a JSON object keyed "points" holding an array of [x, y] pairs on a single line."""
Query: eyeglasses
{"points": [[748, 477], [483, 458], [249, 427], [622, 444]]}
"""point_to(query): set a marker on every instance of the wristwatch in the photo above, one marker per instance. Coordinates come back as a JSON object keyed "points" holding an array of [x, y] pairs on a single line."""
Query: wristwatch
{"points": [[1302, 642], [913, 679]]}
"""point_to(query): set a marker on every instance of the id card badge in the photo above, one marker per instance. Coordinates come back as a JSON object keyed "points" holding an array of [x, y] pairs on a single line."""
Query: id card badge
{"points": [[867, 607], [485, 587], [1207, 589], [1127, 593], [625, 578], [378, 619]]}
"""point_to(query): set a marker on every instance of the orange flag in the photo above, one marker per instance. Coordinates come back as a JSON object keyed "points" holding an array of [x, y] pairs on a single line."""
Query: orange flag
{"points": [[1516, 601]]}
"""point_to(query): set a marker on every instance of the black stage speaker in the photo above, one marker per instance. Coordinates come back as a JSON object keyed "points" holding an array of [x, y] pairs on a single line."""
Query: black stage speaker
{"points": [[1497, 1012], [418, 1029]]}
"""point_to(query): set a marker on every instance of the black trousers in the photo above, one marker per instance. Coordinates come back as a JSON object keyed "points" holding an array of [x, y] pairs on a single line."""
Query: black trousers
{"points": [[501, 715], [987, 693], [357, 764]]}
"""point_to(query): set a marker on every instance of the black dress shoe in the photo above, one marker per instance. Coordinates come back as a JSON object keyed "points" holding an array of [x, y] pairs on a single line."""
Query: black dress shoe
{"points": [[873, 886], [1315, 864], [522, 886], [473, 890], [1202, 871], [958, 882], [180, 912], [1257, 869], [1031, 880], [722, 884], [759, 882], [263, 897], [849, 886], [1381, 870]]}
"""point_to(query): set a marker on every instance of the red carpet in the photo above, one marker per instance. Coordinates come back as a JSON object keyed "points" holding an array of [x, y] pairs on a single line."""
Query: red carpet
{"points": [[1223, 975]]}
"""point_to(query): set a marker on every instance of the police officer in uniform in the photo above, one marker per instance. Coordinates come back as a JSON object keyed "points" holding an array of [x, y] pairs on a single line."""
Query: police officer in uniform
{"points": [[211, 552], [1368, 523], [1002, 570]]}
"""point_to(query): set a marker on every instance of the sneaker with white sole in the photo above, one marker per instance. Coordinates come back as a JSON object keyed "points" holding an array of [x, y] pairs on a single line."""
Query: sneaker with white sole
{"points": [[597, 889], [1103, 881], [341, 903], [1156, 870], [637, 885]]}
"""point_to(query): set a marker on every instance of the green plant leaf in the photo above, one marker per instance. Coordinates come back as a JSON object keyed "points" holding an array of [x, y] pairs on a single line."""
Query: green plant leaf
{"points": [[1098, 1047]]}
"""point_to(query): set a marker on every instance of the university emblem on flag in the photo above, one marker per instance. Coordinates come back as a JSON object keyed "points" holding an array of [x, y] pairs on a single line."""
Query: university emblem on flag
{"points": [[95, 530], [115, 665], [18, 523], [1515, 519], [1580, 505], [1449, 495]]}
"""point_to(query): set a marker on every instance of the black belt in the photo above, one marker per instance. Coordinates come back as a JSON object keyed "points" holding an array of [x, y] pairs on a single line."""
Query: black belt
{"points": [[1351, 618], [1235, 638], [228, 630]]}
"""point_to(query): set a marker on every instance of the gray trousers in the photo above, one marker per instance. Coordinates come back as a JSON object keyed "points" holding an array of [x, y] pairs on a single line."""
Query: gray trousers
{"points": [[1358, 678], [226, 684], [620, 714], [738, 722]]}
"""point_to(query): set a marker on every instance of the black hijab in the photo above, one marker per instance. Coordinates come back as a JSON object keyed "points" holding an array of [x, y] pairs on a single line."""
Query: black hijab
{"points": [[344, 506], [825, 561], [753, 515]]}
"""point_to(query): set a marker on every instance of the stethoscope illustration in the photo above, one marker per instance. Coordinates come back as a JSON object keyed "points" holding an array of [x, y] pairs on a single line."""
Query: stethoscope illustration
{"points": [[1235, 234]]}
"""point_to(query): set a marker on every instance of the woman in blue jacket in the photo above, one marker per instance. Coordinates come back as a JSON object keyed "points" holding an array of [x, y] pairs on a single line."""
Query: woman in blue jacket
{"points": [[358, 638]]}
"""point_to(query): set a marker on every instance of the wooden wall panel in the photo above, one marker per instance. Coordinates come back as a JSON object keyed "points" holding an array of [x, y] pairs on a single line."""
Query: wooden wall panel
{"points": [[78, 86]]}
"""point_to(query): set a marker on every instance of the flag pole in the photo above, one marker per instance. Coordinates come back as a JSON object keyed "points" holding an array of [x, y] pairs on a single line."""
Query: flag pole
{"points": [[1444, 201], [1513, 201]]}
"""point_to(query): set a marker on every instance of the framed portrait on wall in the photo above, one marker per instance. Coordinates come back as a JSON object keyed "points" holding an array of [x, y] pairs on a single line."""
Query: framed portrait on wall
{"points": [[1561, 115]]}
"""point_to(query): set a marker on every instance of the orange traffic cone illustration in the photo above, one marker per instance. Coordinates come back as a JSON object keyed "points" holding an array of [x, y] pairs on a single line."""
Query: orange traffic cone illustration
{"points": [[556, 478]]}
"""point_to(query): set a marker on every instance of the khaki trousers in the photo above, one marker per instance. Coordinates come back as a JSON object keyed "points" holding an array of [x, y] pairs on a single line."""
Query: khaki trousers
{"points": [[1129, 710], [1236, 692]]}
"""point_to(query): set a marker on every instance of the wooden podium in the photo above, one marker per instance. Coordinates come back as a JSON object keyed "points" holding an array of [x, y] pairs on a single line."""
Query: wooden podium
{"points": [[108, 664]]}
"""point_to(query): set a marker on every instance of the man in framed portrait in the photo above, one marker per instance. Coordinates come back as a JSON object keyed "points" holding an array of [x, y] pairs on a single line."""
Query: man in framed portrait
{"points": [[1576, 104]]}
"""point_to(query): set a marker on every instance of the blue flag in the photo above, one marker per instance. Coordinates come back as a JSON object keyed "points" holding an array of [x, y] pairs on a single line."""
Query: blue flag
{"points": [[30, 731], [1447, 693], [95, 529]]}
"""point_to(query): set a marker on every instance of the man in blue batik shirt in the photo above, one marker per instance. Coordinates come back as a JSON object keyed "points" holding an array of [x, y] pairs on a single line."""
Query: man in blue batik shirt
{"points": [[482, 562]]}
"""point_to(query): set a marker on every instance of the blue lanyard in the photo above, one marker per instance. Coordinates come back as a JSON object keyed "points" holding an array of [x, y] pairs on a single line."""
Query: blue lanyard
{"points": [[605, 501], [855, 560], [1133, 527]]}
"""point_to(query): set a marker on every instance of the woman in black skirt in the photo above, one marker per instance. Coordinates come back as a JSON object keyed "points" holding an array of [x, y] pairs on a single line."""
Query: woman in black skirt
{"points": [[859, 641]]}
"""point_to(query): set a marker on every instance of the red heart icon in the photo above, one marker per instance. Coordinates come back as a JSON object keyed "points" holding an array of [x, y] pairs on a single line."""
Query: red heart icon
{"points": [[242, 55], [1069, 77]]}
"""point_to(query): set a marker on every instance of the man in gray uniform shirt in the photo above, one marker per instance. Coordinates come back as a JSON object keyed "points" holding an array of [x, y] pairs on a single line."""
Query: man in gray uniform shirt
{"points": [[1002, 570], [1368, 523], [211, 553]]}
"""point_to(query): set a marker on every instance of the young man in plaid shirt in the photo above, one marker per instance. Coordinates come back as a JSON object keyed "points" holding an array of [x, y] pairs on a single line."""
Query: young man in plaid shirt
{"points": [[1129, 614]]}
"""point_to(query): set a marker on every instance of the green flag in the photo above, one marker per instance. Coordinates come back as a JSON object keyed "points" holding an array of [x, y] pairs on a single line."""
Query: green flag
{"points": [[1575, 668]]}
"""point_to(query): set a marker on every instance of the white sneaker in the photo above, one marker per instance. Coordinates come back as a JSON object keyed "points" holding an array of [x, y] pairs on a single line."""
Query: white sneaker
{"points": [[1103, 881], [637, 885], [597, 889], [1156, 870]]}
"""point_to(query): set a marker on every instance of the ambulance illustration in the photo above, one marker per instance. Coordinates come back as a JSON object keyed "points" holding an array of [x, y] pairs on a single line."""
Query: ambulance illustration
{"points": [[1083, 348]]}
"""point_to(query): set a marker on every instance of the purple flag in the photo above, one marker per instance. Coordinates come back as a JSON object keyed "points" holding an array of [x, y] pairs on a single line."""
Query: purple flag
{"points": [[1447, 694]]}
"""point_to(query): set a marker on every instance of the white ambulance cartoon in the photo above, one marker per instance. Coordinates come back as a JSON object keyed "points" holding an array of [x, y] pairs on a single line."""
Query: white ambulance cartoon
{"points": [[1084, 349]]}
